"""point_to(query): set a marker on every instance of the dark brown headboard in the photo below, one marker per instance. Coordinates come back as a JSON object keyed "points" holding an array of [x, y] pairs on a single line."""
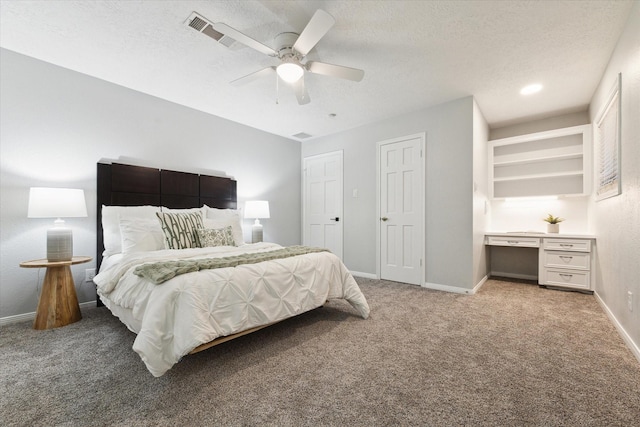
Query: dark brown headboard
{"points": [[126, 185]]}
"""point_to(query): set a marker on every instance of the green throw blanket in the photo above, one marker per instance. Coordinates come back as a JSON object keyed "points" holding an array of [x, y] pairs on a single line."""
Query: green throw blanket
{"points": [[159, 272]]}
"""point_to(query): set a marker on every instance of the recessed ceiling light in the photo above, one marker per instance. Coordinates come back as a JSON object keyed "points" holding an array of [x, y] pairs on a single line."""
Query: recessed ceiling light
{"points": [[531, 89]]}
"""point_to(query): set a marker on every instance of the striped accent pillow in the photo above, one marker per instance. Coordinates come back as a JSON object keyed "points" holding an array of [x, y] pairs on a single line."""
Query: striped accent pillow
{"points": [[180, 229]]}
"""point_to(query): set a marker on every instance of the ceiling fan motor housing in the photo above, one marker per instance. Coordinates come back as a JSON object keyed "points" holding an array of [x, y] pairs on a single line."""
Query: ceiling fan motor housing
{"points": [[284, 46]]}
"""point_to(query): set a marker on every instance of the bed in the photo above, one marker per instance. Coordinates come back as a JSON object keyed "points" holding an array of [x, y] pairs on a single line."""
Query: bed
{"points": [[174, 269]]}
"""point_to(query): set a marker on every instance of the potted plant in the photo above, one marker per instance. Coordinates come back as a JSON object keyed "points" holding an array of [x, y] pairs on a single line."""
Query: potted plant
{"points": [[553, 225]]}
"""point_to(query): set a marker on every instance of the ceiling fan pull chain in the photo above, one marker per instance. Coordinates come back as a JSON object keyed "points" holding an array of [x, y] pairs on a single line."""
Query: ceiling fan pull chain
{"points": [[277, 90]]}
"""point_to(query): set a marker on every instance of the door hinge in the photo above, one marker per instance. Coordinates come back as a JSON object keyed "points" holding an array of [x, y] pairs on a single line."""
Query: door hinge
{"points": [[420, 262]]}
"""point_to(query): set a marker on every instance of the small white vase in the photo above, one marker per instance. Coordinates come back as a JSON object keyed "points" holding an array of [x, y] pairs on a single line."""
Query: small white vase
{"points": [[553, 228]]}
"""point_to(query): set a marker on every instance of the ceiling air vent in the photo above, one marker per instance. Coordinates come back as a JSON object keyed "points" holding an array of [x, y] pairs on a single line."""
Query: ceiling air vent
{"points": [[302, 135], [204, 26]]}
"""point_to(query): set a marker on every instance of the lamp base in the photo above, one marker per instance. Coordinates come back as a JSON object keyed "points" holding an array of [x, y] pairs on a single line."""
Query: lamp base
{"points": [[59, 244], [256, 232]]}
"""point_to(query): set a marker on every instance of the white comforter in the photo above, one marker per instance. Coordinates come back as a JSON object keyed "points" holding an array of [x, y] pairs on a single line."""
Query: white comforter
{"points": [[173, 318]]}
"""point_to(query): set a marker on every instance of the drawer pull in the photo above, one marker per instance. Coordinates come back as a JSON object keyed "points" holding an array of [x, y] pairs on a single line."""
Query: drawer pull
{"points": [[566, 258], [513, 242], [566, 245], [566, 275]]}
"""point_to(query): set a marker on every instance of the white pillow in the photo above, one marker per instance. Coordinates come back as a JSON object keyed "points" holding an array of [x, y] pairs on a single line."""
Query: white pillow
{"points": [[221, 218], [141, 235], [215, 213], [188, 210], [112, 238]]}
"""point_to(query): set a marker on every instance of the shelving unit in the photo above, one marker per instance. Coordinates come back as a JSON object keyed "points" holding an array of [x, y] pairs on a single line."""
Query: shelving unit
{"points": [[556, 162]]}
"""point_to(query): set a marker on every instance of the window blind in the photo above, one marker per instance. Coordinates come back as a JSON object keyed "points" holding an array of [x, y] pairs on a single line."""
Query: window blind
{"points": [[607, 134]]}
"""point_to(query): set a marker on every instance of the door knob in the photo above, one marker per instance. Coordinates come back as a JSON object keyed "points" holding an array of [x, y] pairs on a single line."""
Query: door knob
{"points": [[384, 218], [335, 219]]}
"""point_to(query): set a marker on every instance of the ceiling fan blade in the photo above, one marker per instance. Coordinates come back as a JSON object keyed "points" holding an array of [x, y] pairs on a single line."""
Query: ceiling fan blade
{"points": [[243, 38], [317, 27], [301, 91], [335, 71], [253, 76]]}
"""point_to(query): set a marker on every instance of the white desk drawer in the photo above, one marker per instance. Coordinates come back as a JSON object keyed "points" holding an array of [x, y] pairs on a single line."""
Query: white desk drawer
{"points": [[568, 278], [567, 245], [523, 242], [577, 260]]}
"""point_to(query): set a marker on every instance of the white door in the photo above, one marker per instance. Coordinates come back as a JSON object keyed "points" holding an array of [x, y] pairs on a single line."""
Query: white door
{"points": [[322, 198], [401, 218]]}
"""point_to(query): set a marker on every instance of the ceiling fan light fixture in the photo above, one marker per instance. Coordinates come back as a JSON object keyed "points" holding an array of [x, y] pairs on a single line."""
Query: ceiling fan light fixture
{"points": [[531, 89], [290, 72]]}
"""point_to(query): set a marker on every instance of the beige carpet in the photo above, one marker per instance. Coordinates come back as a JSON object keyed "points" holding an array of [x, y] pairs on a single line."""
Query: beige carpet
{"points": [[514, 354]]}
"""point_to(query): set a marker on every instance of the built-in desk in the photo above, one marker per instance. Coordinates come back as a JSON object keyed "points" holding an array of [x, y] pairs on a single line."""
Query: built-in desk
{"points": [[564, 260]]}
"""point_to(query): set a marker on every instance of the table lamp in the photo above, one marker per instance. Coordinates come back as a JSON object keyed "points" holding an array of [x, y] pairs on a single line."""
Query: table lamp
{"points": [[256, 209], [57, 203]]}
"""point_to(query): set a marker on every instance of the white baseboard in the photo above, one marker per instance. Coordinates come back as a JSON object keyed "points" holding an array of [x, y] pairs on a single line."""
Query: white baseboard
{"points": [[90, 304], [513, 275], [447, 288], [477, 287], [30, 316], [363, 275], [625, 336], [434, 286]]}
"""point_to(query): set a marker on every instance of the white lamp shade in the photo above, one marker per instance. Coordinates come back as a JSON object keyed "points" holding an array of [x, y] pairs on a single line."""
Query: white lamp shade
{"points": [[56, 203], [256, 209]]}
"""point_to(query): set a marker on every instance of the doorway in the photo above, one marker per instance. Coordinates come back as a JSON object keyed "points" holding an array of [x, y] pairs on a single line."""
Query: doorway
{"points": [[322, 201], [401, 209]]}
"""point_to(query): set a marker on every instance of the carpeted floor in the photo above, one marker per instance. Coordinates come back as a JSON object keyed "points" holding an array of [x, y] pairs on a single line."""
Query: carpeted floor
{"points": [[513, 354]]}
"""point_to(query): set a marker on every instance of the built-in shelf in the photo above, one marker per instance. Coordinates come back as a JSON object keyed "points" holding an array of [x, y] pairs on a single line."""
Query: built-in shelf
{"points": [[538, 176], [500, 162], [556, 162]]}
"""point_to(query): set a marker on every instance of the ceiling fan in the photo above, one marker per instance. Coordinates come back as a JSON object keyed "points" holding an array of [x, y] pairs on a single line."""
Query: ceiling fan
{"points": [[291, 50]]}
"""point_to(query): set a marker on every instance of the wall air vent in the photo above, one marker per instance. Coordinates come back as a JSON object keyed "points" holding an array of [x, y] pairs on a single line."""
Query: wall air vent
{"points": [[302, 135], [204, 26]]}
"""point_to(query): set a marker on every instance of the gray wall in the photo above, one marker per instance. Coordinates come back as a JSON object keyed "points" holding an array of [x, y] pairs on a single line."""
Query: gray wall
{"points": [[449, 186], [617, 219], [55, 126], [540, 125]]}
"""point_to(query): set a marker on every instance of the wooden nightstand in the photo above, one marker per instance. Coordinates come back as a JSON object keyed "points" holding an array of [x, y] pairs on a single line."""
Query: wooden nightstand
{"points": [[58, 305]]}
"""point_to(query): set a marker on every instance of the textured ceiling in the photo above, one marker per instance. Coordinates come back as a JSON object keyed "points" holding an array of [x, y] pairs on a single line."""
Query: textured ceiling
{"points": [[415, 54]]}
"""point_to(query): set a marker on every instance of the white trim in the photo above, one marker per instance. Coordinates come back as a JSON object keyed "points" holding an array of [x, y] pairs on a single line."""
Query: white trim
{"points": [[447, 288], [613, 100], [30, 316], [625, 336], [423, 155], [364, 275], [88, 304], [482, 281], [540, 135]]}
